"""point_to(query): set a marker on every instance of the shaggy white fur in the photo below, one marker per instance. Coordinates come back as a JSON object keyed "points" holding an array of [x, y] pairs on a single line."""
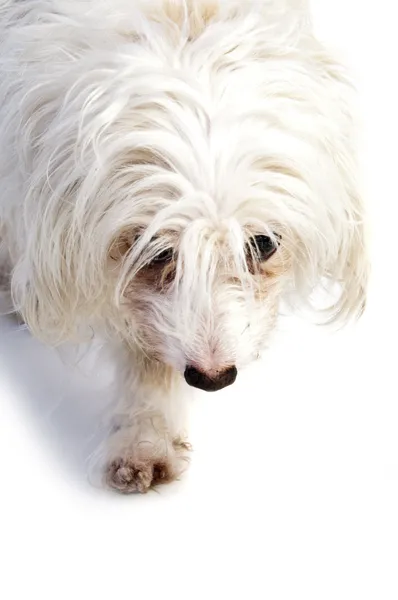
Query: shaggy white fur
{"points": [[170, 170]]}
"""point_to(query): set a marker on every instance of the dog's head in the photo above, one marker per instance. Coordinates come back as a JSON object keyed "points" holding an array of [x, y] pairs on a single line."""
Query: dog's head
{"points": [[199, 292], [198, 277], [197, 197]]}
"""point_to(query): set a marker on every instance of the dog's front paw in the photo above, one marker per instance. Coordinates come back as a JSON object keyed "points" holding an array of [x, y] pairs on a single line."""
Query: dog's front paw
{"points": [[140, 468], [128, 475]]}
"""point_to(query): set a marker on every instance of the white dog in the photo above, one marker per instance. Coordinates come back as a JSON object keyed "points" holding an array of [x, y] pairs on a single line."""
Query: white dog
{"points": [[170, 170]]}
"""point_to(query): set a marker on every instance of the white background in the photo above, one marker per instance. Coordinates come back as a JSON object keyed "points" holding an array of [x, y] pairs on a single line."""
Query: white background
{"points": [[293, 488]]}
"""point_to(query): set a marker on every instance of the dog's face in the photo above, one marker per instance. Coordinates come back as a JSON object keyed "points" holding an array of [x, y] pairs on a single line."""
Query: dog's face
{"points": [[204, 300]]}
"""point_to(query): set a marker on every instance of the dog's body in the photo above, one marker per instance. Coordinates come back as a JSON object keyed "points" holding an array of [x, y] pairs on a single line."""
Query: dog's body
{"points": [[171, 169]]}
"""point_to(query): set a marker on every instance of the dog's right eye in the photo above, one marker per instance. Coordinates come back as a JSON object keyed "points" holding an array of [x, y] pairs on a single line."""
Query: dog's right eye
{"points": [[163, 257]]}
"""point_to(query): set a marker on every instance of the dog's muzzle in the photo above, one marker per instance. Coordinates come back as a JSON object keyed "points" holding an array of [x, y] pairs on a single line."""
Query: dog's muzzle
{"points": [[213, 383]]}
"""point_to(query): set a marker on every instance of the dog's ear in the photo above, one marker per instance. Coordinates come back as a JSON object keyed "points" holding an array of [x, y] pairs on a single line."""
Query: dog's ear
{"points": [[351, 273], [343, 233], [348, 270], [60, 283]]}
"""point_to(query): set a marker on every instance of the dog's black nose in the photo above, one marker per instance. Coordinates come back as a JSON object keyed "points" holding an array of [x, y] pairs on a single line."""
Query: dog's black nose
{"points": [[213, 383]]}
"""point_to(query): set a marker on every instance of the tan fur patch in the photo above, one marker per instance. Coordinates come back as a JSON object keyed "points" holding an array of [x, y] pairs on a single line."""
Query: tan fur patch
{"points": [[157, 276], [269, 274], [195, 14]]}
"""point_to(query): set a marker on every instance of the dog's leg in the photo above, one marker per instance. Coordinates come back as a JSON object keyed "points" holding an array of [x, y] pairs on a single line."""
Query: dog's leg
{"points": [[148, 445]]}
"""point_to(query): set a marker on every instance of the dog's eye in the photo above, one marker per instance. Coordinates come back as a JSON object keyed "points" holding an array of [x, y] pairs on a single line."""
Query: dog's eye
{"points": [[263, 247], [163, 257]]}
